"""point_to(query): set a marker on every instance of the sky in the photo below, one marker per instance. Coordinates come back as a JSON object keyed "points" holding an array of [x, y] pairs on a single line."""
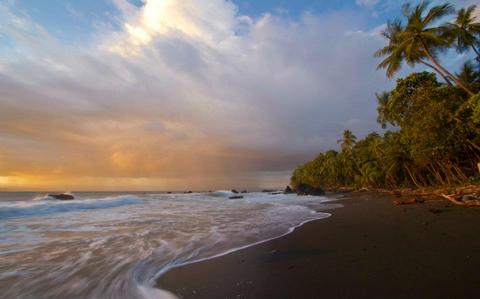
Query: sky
{"points": [[183, 95]]}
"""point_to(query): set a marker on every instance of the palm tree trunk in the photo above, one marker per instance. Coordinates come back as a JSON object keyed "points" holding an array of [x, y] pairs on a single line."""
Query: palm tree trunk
{"points": [[412, 177], [436, 174], [438, 71], [474, 145], [445, 172], [457, 81], [460, 173]]}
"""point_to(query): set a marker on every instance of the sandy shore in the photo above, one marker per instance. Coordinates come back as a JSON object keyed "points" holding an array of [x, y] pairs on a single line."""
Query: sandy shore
{"points": [[368, 249]]}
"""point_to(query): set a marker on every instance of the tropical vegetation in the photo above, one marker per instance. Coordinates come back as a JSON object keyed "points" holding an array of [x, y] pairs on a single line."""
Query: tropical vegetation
{"points": [[430, 121]]}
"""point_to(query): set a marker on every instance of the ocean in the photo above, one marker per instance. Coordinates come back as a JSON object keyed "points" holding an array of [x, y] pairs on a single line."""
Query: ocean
{"points": [[116, 245]]}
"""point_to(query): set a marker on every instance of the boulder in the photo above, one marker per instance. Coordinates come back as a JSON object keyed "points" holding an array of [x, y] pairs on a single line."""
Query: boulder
{"points": [[62, 196], [244, 191], [288, 190], [304, 189], [234, 191]]}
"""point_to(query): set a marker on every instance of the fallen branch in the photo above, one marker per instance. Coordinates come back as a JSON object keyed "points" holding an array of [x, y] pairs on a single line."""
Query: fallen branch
{"points": [[408, 202], [470, 203]]}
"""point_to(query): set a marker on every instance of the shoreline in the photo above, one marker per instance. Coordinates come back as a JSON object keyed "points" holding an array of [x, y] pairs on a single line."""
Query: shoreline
{"points": [[329, 205], [404, 251], [236, 249]]}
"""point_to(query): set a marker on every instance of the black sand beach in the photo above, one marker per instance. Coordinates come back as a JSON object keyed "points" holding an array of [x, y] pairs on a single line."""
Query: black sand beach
{"points": [[368, 249]]}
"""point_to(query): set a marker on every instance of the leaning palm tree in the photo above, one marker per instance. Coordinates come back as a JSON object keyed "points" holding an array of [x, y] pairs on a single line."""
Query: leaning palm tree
{"points": [[466, 31], [418, 41], [395, 52]]}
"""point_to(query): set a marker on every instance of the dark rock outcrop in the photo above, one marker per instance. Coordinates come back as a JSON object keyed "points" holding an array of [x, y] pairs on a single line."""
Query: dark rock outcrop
{"points": [[304, 189], [236, 197], [234, 191], [288, 190], [244, 191], [62, 196]]}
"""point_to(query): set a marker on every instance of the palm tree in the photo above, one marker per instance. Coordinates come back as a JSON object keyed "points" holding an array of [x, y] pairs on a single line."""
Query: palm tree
{"points": [[348, 167], [375, 144], [465, 30], [395, 56], [348, 140], [468, 75], [368, 175], [418, 42], [383, 110], [395, 52]]}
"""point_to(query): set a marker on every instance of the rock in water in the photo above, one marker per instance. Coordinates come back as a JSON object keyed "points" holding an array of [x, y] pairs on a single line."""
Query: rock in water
{"points": [[304, 189], [62, 196], [236, 197], [288, 190], [234, 191]]}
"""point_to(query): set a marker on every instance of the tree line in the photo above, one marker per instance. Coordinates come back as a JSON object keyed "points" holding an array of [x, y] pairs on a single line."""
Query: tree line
{"points": [[434, 138]]}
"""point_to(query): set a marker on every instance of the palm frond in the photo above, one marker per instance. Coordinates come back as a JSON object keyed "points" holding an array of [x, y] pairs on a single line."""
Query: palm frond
{"points": [[437, 12]]}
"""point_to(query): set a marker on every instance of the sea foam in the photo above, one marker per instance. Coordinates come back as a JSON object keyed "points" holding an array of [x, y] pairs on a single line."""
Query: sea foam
{"points": [[126, 243]]}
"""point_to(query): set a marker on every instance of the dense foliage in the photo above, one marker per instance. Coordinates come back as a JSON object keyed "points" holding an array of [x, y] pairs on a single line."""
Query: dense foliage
{"points": [[435, 135]]}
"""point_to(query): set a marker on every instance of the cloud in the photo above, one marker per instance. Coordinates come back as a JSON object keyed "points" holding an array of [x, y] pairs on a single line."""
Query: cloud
{"points": [[186, 93], [367, 3], [193, 20]]}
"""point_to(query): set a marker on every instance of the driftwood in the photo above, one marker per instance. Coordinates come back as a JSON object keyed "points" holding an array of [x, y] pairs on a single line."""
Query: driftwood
{"points": [[460, 202], [408, 202], [463, 196], [468, 196], [404, 202]]}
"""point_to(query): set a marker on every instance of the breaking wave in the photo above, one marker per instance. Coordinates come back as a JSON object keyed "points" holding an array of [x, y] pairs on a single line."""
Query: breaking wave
{"points": [[124, 243], [45, 205]]}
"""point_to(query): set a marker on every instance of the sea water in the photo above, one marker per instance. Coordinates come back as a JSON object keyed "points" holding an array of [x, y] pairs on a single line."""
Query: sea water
{"points": [[110, 245]]}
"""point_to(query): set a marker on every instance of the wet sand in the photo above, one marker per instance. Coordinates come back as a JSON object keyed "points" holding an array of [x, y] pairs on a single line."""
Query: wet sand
{"points": [[367, 249]]}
